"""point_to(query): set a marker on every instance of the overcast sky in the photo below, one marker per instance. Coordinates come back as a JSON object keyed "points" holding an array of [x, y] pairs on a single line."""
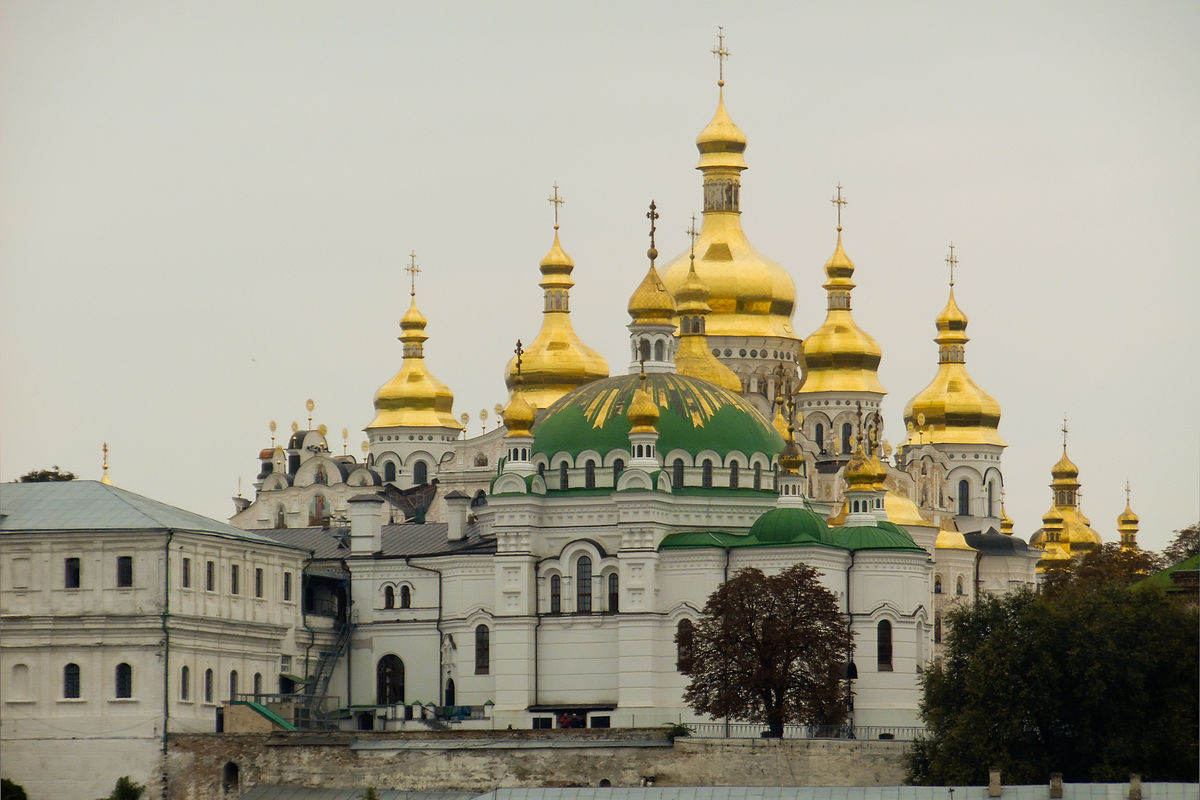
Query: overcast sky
{"points": [[206, 208]]}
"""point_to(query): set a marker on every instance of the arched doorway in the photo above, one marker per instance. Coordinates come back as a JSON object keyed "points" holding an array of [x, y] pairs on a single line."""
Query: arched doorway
{"points": [[449, 692], [389, 681]]}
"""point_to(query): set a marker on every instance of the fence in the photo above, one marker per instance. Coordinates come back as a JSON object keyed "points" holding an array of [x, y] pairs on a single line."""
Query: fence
{"points": [[750, 730]]}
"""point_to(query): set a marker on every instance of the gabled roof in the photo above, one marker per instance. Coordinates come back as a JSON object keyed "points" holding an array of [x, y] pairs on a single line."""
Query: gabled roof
{"points": [[94, 506]]}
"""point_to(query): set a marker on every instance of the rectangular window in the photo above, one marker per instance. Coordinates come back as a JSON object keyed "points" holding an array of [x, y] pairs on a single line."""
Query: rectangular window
{"points": [[543, 723], [187, 573], [233, 579], [285, 663], [210, 576], [287, 587], [258, 582], [600, 722], [71, 575], [124, 571]]}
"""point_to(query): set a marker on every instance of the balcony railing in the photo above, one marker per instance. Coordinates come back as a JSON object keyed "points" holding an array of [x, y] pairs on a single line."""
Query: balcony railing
{"points": [[749, 730]]}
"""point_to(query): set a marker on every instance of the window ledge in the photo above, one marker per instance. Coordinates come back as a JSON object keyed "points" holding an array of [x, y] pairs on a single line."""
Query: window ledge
{"points": [[71, 700], [186, 702], [122, 700], [20, 702]]}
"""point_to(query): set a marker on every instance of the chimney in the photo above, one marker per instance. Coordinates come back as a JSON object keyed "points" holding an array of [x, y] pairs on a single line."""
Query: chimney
{"points": [[456, 516], [994, 788], [1055, 785], [366, 524], [1135, 786]]}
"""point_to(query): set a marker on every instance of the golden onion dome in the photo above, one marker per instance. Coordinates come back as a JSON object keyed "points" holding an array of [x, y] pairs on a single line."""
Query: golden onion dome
{"points": [[414, 397], [779, 423], [898, 508], [518, 415], [1064, 472], [693, 356], [643, 411], [651, 303], [1127, 517], [557, 361], [864, 473], [750, 295], [839, 355], [951, 540], [790, 458], [955, 409]]}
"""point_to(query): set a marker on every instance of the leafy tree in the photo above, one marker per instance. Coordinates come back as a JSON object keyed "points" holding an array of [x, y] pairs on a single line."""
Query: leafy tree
{"points": [[1108, 564], [368, 794], [46, 475], [1185, 545], [11, 791], [769, 649], [126, 789], [1093, 680]]}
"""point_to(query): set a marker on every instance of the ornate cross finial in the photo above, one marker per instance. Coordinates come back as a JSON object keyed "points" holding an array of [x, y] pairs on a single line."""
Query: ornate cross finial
{"points": [[721, 53], [520, 351], [1126, 492], [1064, 433], [952, 261], [556, 201], [413, 271], [692, 234], [105, 449], [839, 201], [652, 215]]}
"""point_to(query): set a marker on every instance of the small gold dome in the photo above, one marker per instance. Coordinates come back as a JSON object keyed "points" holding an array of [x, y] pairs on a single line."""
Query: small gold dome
{"points": [[557, 361], [518, 415], [651, 303], [1127, 517], [790, 458], [955, 409], [643, 411], [951, 540], [1065, 471], [898, 508], [839, 355], [1006, 524], [864, 473], [414, 397], [693, 356], [722, 142]]}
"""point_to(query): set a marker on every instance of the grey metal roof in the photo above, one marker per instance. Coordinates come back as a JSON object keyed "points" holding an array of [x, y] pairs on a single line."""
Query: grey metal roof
{"points": [[992, 541], [94, 506], [312, 793], [408, 539]]}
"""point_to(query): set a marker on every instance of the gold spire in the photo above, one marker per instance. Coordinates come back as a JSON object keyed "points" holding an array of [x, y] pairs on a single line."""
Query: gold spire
{"points": [[556, 361], [956, 410], [643, 411], [518, 414], [414, 398], [750, 295], [651, 303], [840, 356], [1006, 523], [864, 473], [694, 356], [790, 458], [107, 481], [1065, 523], [1127, 524]]}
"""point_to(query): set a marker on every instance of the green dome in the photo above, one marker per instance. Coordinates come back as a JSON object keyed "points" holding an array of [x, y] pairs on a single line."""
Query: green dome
{"points": [[694, 415], [791, 526], [882, 536]]}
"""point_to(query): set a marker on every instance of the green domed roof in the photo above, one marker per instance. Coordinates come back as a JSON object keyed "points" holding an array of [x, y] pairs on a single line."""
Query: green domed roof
{"points": [[882, 536], [791, 526], [694, 415]]}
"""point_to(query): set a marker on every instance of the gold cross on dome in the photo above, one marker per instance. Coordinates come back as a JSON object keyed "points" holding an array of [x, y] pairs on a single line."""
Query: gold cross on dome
{"points": [[839, 201], [652, 215], [1064, 433], [952, 261], [520, 351], [413, 270], [556, 201], [1126, 492], [721, 53], [692, 234]]}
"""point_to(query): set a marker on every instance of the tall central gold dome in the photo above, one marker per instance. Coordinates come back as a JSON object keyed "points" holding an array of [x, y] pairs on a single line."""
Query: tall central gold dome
{"points": [[840, 356], [557, 361], [954, 409], [749, 294]]}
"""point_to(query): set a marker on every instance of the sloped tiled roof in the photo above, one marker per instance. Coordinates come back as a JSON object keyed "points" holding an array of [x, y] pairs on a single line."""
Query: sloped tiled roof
{"points": [[409, 539], [94, 506]]}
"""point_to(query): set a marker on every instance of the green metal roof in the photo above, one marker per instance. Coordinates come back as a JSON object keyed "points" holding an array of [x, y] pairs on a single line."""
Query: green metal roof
{"points": [[791, 526], [881, 536], [695, 415]]}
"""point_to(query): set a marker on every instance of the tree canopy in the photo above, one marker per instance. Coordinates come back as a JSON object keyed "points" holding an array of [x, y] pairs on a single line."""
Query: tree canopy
{"points": [[46, 475], [1109, 564], [1185, 545], [1093, 680], [769, 649]]}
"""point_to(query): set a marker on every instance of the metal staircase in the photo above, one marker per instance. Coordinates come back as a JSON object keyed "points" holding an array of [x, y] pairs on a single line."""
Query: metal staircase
{"points": [[311, 712]]}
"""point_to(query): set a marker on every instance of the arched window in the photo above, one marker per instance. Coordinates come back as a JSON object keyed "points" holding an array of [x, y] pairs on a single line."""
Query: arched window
{"points": [[483, 649], [964, 498], [124, 680], [583, 585], [937, 629], [706, 474], [389, 681], [233, 684], [20, 681], [937, 584], [71, 682], [991, 498], [614, 593], [542, 471], [257, 685], [405, 597], [555, 594], [958, 585], [389, 471], [589, 475], [758, 476], [230, 778], [733, 475], [618, 468], [659, 355], [819, 436], [884, 645], [451, 695], [684, 636], [562, 475], [185, 682], [677, 473], [847, 431], [389, 597], [208, 685], [420, 473]]}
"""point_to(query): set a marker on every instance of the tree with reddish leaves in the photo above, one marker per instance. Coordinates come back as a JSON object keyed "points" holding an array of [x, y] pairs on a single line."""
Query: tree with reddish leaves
{"points": [[770, 649]]}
